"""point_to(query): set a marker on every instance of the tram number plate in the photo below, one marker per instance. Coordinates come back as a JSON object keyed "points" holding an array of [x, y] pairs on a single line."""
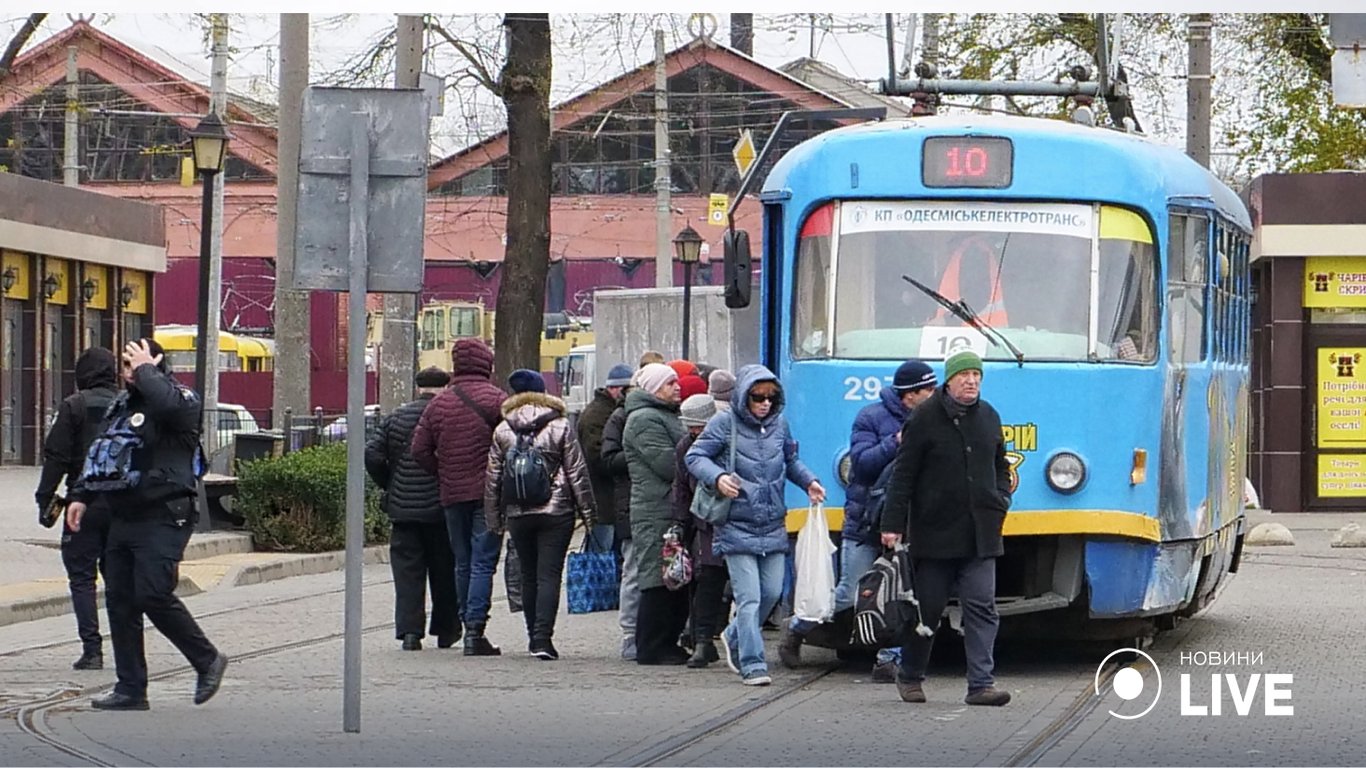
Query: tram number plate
{"points": [[944, 342]]}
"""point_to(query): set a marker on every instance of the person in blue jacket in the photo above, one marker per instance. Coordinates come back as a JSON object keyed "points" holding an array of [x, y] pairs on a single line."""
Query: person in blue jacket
{"points": [[872, 447], [753, 540]]}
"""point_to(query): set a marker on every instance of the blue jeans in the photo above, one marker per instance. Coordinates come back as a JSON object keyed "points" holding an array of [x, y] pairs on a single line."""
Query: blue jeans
{"points": [[855, 560], [756, 581], [476, 559]]}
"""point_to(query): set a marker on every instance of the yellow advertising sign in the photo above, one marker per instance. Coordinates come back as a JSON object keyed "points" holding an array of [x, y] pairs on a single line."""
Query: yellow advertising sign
{"points": [[1341, 397], [1341, 475], [717, 205], [1334, 281]]}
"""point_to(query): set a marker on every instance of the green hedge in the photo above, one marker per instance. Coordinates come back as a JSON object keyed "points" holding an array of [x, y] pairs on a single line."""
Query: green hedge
{"points": [[298, 501]]}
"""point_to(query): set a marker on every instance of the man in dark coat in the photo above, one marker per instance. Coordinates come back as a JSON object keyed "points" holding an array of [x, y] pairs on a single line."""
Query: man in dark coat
{"points": [[146, 464], [79, 418], [948, 494], [419, 546], [591, 424], [452, 441]]}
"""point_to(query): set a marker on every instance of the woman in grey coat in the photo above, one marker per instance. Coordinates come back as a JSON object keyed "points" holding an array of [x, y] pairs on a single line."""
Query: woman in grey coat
{"points": [[754, 538]]}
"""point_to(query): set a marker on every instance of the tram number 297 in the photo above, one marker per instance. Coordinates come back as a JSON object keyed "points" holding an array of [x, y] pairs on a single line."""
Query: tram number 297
{"points": [[864, 388]]}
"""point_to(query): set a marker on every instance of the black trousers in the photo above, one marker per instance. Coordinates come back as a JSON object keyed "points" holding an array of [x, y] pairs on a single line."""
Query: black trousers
{"points": [[663, 614], [141, 569], [974, 581], [420, 554], [708, 599], [83, 556], [542, 541]]}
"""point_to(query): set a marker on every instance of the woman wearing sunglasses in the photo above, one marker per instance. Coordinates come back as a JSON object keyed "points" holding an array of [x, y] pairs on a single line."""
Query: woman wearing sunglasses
{"points": [[754, 538]]}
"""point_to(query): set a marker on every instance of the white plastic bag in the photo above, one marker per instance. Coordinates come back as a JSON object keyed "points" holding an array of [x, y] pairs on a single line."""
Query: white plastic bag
{"points": [[814, 597]]}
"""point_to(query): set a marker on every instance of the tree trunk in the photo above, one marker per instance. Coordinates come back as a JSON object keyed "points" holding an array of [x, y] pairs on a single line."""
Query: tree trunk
{"points": [[524, 86], [18, 41]]}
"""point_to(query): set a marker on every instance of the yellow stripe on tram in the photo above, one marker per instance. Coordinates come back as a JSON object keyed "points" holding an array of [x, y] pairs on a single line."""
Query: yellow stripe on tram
{"points": [[1037, 522], [1123, 224]]}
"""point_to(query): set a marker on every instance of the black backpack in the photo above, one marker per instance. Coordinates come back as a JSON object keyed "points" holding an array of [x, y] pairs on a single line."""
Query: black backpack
{"points": [[527, 476], [877, 500], [885, 606]]}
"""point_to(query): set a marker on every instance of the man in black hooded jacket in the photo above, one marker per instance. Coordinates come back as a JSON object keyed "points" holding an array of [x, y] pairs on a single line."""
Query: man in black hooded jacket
{"points": [[78, 422], [145, 465]]}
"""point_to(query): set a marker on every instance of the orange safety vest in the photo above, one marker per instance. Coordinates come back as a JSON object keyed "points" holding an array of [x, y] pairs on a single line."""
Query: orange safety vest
{"points": [[994, 313]]}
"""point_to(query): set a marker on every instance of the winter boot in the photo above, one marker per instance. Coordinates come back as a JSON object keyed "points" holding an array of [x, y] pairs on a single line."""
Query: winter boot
{"points": [[704, 653], [478, 645], [790, 647], [89, 660]]}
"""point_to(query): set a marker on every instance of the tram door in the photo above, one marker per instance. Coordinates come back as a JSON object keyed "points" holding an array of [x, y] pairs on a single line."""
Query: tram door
{"points": [[1337, 417]]}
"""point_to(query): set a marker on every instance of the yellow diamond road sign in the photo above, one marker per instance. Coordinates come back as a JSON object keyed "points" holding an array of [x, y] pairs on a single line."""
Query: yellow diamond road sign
{"points": [[743, 152]]}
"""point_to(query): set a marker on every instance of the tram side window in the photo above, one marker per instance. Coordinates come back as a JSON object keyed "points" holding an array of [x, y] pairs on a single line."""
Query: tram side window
{"points": [[1188, 241], [810, 295], [1128, 288]]}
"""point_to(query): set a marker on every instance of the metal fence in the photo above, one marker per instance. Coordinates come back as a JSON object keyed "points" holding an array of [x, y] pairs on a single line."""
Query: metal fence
{"points": [[240, 434]]}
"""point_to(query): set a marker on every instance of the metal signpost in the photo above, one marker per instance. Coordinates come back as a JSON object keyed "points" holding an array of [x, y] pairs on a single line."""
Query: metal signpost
{"points": [[362, 201]]}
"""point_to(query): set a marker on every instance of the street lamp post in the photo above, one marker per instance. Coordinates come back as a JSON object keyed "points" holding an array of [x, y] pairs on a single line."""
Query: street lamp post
{"points": [[687, 249], [209, 144]]}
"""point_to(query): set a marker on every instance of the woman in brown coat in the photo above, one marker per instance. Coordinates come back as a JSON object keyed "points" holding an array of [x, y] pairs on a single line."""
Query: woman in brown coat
{"points": [[540, 532]]}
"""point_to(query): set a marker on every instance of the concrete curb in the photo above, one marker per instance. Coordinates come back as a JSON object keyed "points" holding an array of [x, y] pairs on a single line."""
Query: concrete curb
{"points": [[53, 599]]}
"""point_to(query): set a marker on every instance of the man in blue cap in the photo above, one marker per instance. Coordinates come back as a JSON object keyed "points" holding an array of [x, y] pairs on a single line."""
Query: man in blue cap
{"points": [[591, 423], [949, 493], [872, 447]]}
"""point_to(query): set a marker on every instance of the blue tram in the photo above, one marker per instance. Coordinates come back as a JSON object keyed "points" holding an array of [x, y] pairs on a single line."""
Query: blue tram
{"points": [[1105, 280]]}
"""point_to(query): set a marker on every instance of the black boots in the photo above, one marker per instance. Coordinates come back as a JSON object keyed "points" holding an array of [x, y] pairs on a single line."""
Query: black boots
{"points": [[411, 642], [703, 653], [478, 645], [790, 648], [89, 660], [118, 701]]}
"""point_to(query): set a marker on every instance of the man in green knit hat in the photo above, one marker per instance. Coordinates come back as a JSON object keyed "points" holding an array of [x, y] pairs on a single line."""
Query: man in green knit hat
{"points": [[948, 496]]}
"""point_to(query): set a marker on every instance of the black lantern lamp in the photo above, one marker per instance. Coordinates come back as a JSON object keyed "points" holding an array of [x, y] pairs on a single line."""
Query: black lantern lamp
{"points": [[88, 289], [688, 250], [50, 286], [209, 145], [9, 278], [125, 296]]}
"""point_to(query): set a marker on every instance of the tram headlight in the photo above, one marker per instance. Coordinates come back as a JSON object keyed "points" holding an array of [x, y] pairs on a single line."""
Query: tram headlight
{"points": [[844, 469], [1065, 472]]}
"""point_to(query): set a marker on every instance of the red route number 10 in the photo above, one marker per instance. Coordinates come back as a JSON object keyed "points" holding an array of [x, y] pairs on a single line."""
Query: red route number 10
{"points": [[973, 162]]}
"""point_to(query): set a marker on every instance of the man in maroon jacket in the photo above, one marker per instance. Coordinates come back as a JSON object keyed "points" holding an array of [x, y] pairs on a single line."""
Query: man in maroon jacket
{"points": [[452, 441]]}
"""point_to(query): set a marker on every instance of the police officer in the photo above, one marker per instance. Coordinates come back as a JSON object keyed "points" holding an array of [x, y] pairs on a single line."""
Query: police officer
{"points": [[79, 419], [145, 465]]}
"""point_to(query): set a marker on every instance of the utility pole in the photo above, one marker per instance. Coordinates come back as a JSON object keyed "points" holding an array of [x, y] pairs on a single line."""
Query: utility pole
{"points": [[664, 269], [292, 353], [218, 105], [1199, 29], [930, 41], [71, 138], [398, 347]]}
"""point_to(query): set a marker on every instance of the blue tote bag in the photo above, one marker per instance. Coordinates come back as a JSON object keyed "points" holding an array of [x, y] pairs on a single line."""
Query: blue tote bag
{"points": [[592, 582]]}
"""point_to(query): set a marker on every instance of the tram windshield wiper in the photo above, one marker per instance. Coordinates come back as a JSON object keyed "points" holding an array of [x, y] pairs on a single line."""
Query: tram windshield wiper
{"points": [[964, 312]]}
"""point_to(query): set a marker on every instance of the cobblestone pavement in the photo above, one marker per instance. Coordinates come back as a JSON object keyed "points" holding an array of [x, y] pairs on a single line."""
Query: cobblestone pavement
{"points": [[281, 701]]}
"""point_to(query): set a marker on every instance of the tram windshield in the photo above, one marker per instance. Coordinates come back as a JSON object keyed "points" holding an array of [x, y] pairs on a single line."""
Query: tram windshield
{"points": [[1025, 269]]}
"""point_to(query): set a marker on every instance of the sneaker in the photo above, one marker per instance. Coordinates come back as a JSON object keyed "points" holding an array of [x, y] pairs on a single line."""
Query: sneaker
{"points": [[988, 697], [757, 677], [545, 651], [628, 649], [885, 672], [732, 654], [910, 691]]}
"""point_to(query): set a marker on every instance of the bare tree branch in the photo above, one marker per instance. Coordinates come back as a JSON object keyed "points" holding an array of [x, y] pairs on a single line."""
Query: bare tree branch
{"points": [[17, 43], [477, 68]]}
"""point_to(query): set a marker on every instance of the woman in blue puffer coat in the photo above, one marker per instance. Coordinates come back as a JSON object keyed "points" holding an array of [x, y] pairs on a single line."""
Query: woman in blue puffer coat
{"points": [[754, 539]]}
